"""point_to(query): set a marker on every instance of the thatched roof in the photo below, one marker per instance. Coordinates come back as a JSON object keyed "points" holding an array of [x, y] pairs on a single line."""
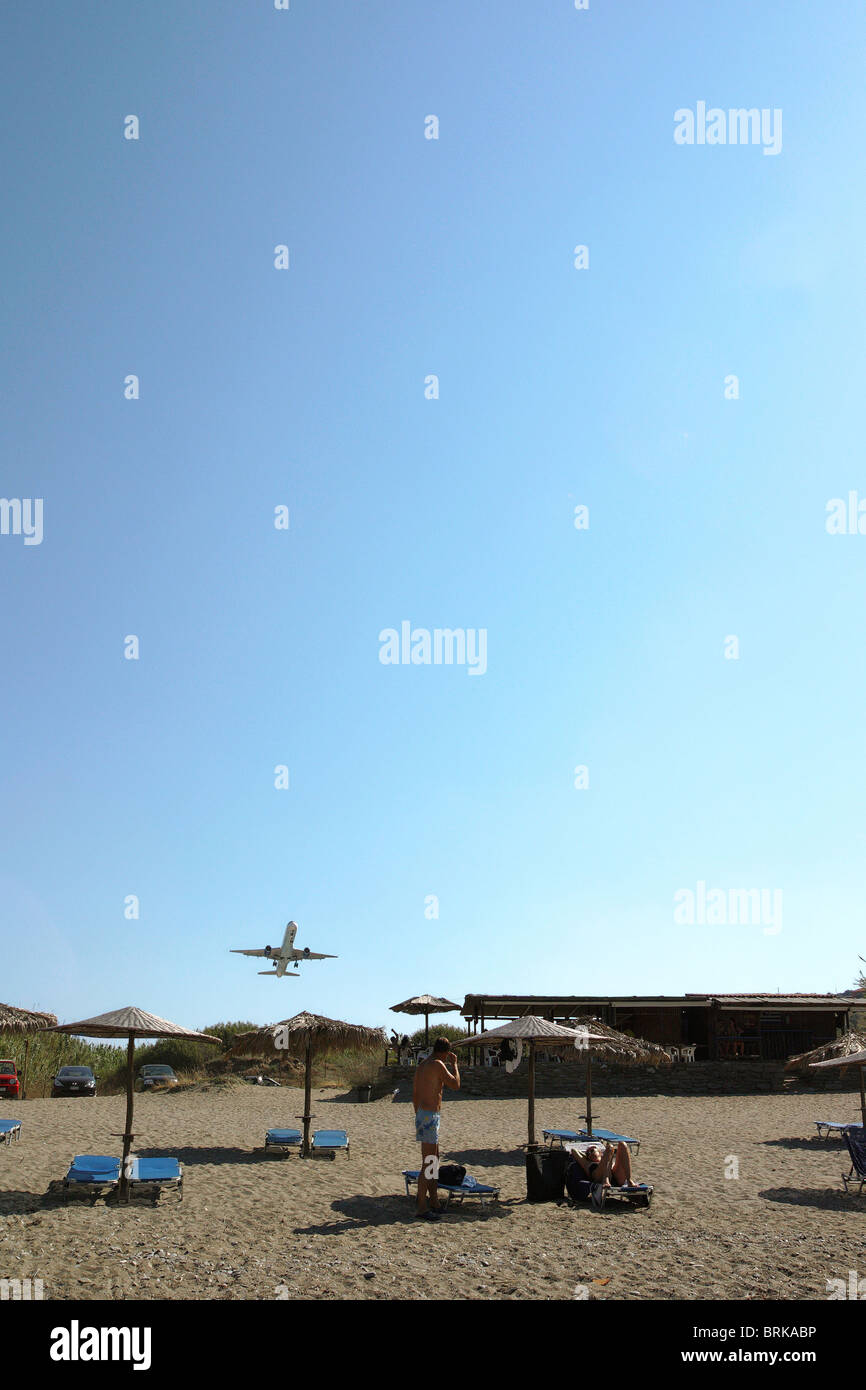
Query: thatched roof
{"points": [[425, 1004], [14, 1020], [529, 1028], [613, 1046], [131, 1022], [291, 1036], [855, 1059], [840, 1047]]}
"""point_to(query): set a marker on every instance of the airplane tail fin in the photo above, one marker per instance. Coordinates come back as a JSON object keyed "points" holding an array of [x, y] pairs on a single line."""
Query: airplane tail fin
{"points": [[267, 972]]}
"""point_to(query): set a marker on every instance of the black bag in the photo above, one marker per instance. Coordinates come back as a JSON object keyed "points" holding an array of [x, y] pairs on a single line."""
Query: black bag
{"points": [[577, 1184], [545, 1174], [451, 1174]]}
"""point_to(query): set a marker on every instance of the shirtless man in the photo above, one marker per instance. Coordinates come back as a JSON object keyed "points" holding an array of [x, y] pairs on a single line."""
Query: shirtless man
{"points": [[430, 1077]]}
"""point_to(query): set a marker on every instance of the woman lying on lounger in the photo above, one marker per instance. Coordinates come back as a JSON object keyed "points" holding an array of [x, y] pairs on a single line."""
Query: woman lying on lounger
{"points": [[605, 1164]]}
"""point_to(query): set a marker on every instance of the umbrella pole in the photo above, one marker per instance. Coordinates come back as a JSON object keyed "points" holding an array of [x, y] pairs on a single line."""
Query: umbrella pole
{"points": [[308, 1082], [127, 1135], [532, 1091], [426, 1030], [24, 1075], [588, 1115], [863, 1097]]}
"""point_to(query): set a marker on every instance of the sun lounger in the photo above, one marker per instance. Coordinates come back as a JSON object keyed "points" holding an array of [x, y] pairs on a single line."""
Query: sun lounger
{"points": [[157, 1173], [833, 1127], [283, 1139], [329, 1141], [469, 1187], [9, 1130], [572, 1136], [93, 1173], [855, 1139], [639, 1194]]}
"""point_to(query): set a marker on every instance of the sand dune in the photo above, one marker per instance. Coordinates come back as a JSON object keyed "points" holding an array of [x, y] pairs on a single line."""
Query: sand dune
{"points": [[252, 1226]]}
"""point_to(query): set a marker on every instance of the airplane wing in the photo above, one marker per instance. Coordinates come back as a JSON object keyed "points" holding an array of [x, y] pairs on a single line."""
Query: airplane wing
{"points": [[311, 955], [236, 952]]}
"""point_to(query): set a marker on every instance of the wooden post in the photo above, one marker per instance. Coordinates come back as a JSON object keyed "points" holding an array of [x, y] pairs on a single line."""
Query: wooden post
{"points": [[23, 1093], [588, 1115], [532, 1091], [713, 1033], [308, 1083], [128, 1135], [863, 1097]]}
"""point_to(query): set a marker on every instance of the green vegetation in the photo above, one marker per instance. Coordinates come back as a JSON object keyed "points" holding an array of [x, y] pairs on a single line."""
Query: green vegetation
{"points": [[438, 1030], [50, 1051]]}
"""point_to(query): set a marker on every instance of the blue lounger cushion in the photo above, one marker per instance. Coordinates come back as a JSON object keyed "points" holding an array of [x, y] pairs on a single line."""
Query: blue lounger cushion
{"points": [[469, 1187], [155, 1170], [281, 1138], [94, 1170], [330, 1139], [10, 1129], [573, 1136]]}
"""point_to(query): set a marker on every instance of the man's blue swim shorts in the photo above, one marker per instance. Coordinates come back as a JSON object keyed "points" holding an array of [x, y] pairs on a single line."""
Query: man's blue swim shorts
{"points": [[427, 1126]]}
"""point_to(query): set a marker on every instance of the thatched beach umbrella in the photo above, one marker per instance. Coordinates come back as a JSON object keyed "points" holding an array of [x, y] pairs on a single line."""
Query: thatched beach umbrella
{"points": [[532, 1030], [304, 1036], [839, 1047], [26, 1022], [605, 1044], [852, 1059], [425, 1004], [130, 1023]]}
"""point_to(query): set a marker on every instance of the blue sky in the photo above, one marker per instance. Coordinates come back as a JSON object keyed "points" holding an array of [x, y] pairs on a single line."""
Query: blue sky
{"points": [[305, 388]]}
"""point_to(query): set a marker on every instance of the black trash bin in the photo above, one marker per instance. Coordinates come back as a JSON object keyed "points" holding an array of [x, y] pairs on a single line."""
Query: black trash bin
{"points": [[545, 1173]]}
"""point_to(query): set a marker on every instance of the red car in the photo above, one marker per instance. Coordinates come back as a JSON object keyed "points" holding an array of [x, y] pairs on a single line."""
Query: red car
{"points": [[9, 1083]]}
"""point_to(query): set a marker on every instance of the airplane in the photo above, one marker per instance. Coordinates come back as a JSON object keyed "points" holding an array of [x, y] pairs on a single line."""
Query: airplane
{"points": [[283, 955]]}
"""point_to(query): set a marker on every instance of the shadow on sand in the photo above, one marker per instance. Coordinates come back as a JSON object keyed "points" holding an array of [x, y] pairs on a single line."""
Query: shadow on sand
{"points": [[19, 1203], [359, 1212], [485, 1158], [811, 1144], [826, 1198], [193, 1156]]}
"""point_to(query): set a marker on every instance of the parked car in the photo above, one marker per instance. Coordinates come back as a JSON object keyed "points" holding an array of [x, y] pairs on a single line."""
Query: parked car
{"points": [[153, 1076], [74, 1081], [9, 1083]]}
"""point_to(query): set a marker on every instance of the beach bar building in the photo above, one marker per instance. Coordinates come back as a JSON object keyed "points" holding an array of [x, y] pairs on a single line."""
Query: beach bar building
{"points": [[764, 1027]]}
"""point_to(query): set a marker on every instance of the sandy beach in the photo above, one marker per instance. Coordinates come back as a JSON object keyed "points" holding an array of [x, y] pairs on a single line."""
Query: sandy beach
{"points": [[254, 1226]]}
